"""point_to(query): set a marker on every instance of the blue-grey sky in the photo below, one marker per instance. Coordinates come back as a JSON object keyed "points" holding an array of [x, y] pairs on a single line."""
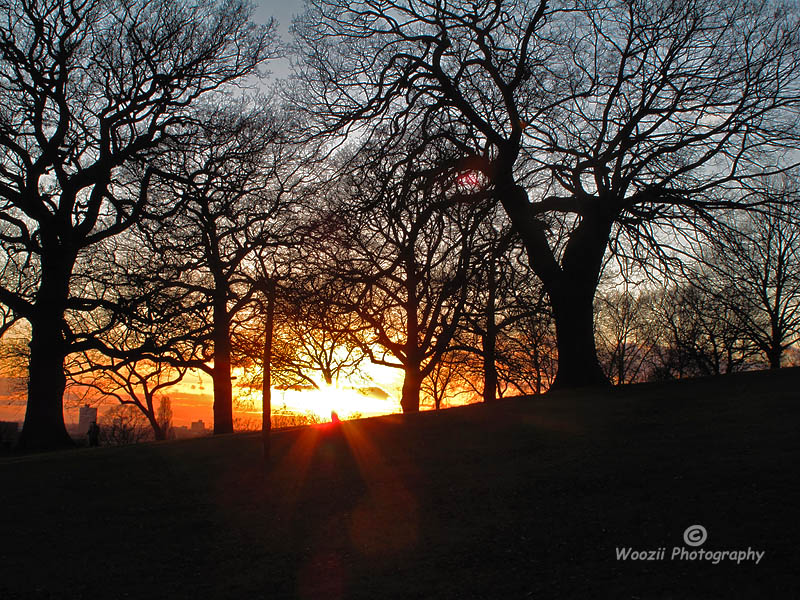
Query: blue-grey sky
{"points": [[281, 10]]}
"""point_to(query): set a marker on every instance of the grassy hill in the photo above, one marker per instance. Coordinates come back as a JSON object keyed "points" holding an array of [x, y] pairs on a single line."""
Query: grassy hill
{"points": [[525, 498]]}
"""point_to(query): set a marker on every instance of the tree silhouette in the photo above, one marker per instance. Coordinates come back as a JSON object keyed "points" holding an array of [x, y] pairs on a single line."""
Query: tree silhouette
{"points": [[139, 384], [221, 196], [624, 332], [501, 295], [754, 268], [695, 332], [164, 416], [597, 125], [122, 425], [324, 337], [88, 91], [396, 246]]}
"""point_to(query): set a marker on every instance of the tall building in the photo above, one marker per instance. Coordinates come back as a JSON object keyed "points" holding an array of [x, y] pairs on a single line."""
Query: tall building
{"points": [[87, 415], [198, 427]]}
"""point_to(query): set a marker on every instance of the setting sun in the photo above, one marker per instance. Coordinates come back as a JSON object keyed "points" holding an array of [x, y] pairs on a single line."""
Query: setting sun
{"points": [[371, 391], [347, 402]]}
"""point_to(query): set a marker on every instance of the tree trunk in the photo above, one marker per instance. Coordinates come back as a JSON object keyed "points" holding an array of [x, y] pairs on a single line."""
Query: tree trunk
{"points": [[537, 366], [159, 432], [44, 427], [570, 285], [572, 298], [774, 356], [775, 352], [266, 387], [221, 374], [412, 382], [489, 343], [489, 338], [578, 365]]}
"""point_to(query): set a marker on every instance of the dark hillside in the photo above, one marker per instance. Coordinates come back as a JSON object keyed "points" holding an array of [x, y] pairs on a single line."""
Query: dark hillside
{"points": [[525, 498]]}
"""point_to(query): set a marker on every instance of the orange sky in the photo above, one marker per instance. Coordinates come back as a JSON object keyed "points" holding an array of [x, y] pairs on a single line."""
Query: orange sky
{"points": [[192, 400]]}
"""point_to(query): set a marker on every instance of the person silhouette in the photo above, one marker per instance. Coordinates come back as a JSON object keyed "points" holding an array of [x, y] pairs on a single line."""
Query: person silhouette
{"points": [[93, 434], [335, 418]]}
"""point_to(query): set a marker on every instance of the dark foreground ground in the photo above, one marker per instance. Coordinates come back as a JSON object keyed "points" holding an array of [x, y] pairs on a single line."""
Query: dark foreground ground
{"points": [[528, 498]]}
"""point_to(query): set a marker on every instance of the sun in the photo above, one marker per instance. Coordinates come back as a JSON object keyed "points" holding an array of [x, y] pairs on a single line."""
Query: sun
{"points": [[375, 390], [347, 401], [471, 180]]}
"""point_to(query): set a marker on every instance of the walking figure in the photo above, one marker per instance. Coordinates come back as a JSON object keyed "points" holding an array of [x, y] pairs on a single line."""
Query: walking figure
{"points": [[93, 434]]}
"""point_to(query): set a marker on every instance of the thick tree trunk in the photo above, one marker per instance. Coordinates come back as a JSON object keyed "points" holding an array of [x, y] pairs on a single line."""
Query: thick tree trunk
{"points": [[412, 382], [774, 356], [570, 285], [221, 374], [572, 299], [44, 427], [775, 350], [578, 364]]}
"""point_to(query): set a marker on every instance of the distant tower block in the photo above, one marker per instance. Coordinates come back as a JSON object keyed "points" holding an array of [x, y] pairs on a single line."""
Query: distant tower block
{"points": [[198, 427], [87, 416]]}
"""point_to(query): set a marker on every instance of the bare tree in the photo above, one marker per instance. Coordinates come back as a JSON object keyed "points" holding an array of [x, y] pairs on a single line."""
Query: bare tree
{"points": [[755, 263], [14, 359], [123, 424], [266, 356], [224, 193], [696, 333], [501, 295], [529, 351], [145, 338], [449, 381], [164, 417], [484, 312], [137, 383], [322, 339], [396, 245], [325, 342], [89, 90], [598, 125], [624, 332]]}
